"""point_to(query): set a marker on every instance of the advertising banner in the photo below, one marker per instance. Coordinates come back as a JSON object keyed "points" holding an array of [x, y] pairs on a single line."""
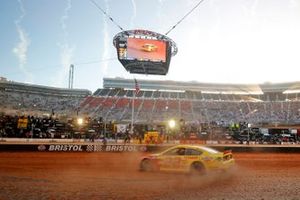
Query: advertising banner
{"points": [[74, 147]]}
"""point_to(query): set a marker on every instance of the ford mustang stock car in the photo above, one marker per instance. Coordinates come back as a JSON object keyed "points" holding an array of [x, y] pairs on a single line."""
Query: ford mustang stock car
{"points": [[193, 159]]}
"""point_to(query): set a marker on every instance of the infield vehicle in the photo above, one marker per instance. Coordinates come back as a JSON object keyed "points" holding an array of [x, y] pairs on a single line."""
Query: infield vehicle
{"points": [[194, 159]]}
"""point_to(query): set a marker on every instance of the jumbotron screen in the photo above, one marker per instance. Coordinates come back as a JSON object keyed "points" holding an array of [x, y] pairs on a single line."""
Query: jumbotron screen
{"points": [[143, 50]]}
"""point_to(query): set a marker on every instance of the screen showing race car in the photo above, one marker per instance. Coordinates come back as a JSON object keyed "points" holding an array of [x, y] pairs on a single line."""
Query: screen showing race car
{"points": [[145, 49]]}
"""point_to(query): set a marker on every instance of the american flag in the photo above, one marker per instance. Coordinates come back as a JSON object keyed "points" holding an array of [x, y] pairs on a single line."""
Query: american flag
{"points": [[137, 87]]}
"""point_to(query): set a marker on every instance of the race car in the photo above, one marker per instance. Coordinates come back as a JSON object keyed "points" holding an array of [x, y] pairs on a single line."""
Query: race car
{"points": [[149, 47], [193, 159]]}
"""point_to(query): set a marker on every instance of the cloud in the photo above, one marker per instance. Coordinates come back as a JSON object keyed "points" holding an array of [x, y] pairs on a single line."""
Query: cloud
{"points": [[161, 1], [134, 13], [293, 4], [66, 56], [254, 8], [20, 50], [66, 51], [64, 18], [163, 17]]}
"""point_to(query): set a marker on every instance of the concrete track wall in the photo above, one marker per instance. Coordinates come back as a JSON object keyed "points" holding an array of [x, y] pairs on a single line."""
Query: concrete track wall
{"points": [[68, 146]]}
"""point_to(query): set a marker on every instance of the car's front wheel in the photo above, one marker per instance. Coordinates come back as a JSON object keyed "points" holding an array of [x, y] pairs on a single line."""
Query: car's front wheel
{"points": [[146, 165]]}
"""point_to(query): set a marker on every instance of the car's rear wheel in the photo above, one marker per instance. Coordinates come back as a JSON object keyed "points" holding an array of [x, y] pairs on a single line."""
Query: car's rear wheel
{"points": [[197, 168], [146, 165]]}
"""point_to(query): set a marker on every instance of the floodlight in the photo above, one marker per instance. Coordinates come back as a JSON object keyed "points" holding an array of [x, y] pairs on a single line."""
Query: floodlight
{"points": [[79, 121], [172, 123]]}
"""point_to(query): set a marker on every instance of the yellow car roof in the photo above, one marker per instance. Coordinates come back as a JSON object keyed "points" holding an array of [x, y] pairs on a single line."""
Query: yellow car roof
{"points": [[199, 147]]}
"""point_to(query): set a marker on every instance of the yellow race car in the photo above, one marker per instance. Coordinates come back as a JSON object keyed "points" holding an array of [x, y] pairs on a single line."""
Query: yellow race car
{"points": [[149, 47], [193, 159]]}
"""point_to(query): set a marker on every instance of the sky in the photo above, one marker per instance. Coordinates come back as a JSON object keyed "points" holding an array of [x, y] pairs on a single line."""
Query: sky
{"points": [[222, 41]]}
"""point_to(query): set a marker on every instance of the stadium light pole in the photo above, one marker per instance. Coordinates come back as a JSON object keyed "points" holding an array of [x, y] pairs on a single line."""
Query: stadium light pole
{"points": [[132, 113], [249, 126], [137, 89]]}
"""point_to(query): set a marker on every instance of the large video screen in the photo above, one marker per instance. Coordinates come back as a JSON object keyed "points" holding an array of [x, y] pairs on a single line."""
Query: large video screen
{"points": [[144, 49]]}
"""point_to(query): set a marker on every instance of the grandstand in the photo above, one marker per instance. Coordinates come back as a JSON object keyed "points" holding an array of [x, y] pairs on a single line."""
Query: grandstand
{"points": [[21, 98], [158, 101], [196, 102]]}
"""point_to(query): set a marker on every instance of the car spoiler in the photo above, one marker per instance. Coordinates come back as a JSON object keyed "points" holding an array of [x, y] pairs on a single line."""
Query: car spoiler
{"points": [[227, 154], [227, 151]]}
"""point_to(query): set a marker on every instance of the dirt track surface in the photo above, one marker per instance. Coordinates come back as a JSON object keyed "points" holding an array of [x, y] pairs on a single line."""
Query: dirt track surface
{"points": [[42, 175]]}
